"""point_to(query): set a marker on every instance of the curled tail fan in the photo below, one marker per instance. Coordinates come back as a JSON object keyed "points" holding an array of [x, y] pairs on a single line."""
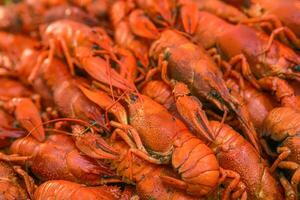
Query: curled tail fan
{"points": [[198, 169]]}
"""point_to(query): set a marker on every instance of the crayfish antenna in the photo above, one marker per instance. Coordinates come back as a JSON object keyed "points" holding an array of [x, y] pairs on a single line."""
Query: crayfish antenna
{"points": [[91, 127], [236, 104], [223, 120], [93, 145]]}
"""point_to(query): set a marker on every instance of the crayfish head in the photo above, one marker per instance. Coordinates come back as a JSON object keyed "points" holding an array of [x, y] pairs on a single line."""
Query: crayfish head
{"points": [[133, 98]]}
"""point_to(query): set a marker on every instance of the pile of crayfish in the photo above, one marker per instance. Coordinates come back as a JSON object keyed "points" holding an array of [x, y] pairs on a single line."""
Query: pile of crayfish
{"points": [[149, 99]]}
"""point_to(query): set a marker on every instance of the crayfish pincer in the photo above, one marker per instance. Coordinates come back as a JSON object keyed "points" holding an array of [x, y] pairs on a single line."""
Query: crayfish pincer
{"points": [[197, 69]]}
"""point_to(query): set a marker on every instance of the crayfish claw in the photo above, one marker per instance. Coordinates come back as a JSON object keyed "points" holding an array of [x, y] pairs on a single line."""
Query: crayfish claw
{"points": [[29, 117], [106, 103], [142, 26], [93, 145], [189, 17], [190, 109], [80, 166]]}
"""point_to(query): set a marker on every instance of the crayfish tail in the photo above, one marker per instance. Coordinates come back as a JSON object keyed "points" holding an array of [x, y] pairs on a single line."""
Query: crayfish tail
{"points": [[197, 165]]}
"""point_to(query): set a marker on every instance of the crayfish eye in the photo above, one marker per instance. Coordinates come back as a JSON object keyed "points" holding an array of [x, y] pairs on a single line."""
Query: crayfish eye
{"points": [[247, 3], [96, 47], [214, 93], [139, 64], [159, 17], [133, 97], [167, 55], [296, 68]]}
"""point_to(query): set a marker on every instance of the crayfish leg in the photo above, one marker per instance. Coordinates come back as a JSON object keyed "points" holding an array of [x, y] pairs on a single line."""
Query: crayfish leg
{"points": [[293, 166], [246, 70], [37, 66], [127, 132], [234, 183], [265, 146], [145, 156], [29, 182], [289, 192], [157, 69], [240, 193], [272, 20], [283, 91]]}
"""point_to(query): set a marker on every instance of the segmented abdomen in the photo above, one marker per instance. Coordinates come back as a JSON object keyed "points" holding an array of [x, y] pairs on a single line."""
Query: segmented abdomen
{"points": [[197, 165], [67, 190]]}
